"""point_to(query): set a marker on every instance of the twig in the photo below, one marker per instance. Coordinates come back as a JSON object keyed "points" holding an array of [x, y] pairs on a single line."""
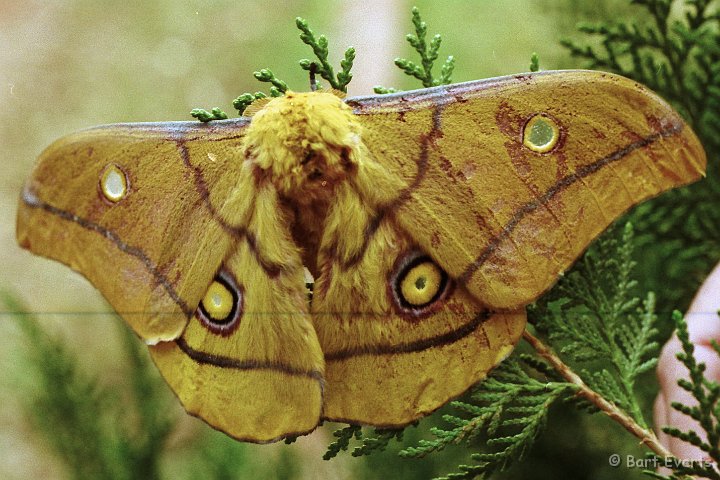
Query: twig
{"points": [[646, 436]]}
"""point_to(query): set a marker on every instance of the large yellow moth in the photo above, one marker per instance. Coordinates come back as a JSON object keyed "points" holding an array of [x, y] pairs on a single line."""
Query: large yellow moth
{"points": [[429, 219]]}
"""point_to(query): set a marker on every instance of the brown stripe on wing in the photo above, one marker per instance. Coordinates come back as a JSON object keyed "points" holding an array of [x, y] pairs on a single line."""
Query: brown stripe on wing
{"points": [[234, 363], [416, 346], [556, 189], [31, 200]]}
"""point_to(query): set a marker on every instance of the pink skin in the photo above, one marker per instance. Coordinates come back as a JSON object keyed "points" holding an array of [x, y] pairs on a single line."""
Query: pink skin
{"points": [[704, 326]]}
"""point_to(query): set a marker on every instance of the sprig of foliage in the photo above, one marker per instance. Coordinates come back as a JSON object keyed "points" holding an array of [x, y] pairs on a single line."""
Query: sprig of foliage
{"points": [[344, 436], [277, 88], [534, 62], [205, 116], [243, 101], [706, 412], [428, 54], [369, 444], [595, 318], [319, 46], [509, 408]]}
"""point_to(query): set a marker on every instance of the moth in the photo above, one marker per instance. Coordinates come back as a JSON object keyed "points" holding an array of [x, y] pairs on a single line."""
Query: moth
{"points": [[427, 220]]}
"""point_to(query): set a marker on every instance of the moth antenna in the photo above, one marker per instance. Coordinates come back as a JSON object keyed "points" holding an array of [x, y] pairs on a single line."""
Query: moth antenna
{"points": [[255, 107], [313, 80]]}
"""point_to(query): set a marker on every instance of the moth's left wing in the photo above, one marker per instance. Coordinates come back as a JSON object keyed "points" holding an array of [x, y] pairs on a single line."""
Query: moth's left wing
{"points": [[249, 362], [506, 181], [138, 209]]}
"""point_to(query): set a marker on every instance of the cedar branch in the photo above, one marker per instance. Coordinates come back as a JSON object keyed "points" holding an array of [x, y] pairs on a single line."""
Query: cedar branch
{"points": [[645, 435]]}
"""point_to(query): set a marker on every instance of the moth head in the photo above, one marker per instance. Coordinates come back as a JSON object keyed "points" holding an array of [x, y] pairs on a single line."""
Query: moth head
{"points": [[304, 143]]}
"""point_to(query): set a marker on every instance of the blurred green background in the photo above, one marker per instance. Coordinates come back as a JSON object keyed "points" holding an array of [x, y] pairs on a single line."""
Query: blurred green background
{"points": [[66, 65]]}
